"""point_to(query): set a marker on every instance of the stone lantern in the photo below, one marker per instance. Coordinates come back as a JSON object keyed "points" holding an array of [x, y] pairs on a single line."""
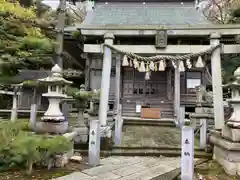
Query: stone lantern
{"points": [[53, 120], [226, 143], [234, 120]]}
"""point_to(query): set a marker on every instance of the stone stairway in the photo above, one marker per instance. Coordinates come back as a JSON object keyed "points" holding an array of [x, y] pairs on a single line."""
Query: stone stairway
{"points": [[131, 121], [166, 107], [148, 137], [152, 138]]}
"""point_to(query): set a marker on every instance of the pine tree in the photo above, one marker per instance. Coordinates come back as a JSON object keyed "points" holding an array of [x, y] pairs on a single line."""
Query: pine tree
{"points": [[23, 43]]}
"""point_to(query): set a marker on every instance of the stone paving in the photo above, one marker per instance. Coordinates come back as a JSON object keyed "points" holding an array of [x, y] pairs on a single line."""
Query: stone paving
{"points": [[127, 168]]}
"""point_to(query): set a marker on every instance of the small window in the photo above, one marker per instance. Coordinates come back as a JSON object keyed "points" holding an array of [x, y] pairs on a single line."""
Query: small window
{"points": [[192, 84], [193, 80]]}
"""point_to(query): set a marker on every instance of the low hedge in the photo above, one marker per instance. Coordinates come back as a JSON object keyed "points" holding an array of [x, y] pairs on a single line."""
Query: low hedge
{"points": [[21, 148]]}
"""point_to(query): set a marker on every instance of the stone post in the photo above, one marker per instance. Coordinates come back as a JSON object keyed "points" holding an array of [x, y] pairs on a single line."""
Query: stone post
{"points": [[105, 82], [118, 127], [187, 156], [203, 133], [14, 113], [217, 82], [33, 110], [187, 145], [94, 143]]}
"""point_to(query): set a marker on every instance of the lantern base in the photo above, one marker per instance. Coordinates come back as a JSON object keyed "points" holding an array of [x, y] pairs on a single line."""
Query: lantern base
{"points": [[232, 134], [57, 127]]}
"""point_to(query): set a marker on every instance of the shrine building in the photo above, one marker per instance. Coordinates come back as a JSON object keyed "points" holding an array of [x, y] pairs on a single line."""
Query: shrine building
{"points": [[154, 54]]}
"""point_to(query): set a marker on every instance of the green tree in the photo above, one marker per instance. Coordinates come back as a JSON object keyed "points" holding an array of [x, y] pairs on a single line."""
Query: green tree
{"points": [[23, 44]]}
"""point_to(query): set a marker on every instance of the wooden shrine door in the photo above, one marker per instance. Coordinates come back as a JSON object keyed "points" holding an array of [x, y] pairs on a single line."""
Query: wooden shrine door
{"points": [[135, 85]]}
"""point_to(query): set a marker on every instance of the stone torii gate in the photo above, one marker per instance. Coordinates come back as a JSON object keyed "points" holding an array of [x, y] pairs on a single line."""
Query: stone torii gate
{"points": [[109, 33], [216, 79]]}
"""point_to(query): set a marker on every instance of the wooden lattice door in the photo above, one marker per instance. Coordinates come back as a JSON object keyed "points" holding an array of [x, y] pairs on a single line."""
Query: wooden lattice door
{"points": [[135, 85], [127, 82]]}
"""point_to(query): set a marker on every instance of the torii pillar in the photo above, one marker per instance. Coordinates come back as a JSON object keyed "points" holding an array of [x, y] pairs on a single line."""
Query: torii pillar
{"points": [[217, 81], [105, 82]]}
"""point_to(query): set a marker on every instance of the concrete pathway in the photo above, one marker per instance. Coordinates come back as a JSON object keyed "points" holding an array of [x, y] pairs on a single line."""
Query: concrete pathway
{"points": [[127, 168]]}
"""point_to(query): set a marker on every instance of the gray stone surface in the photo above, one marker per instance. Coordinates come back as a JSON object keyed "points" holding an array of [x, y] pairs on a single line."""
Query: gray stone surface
{"points": [[227, 154], [135, 13], [75, 176], [223, 157], [231, 134], [127, 168], [223, 143], [50, 127]]}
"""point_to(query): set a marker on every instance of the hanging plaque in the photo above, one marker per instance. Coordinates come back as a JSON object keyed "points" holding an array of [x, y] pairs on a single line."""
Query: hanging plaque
{"points": [[161, 39]]}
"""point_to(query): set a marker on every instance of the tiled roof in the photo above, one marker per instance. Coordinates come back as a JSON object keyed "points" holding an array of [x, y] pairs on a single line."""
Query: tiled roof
{"points": [[145, 14]]}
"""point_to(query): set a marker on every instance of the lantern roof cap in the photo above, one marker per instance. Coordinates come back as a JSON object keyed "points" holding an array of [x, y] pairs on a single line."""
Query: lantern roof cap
{"points": [[56, 77], [235, 83]]}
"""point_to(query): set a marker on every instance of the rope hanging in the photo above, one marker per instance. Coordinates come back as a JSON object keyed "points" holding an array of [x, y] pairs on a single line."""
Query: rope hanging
{"points": [[163, 57], [158, 62]]}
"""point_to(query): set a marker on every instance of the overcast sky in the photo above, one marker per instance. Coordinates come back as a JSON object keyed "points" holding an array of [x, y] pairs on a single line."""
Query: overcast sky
{"points": [[52, 3]]}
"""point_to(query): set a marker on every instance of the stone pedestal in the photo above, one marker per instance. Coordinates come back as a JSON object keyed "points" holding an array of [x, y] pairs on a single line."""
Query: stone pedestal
{"points": [[227, 142], [226, 153], [52, 127], [231, 133]]}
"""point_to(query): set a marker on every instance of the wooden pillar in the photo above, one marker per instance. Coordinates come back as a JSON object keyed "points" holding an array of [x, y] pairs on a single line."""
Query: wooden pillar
{"points": [[88, 71], [169, 85], [217, 82], [60, 32], [105, 82], [118, 126], [117, 82], [177, 91]]}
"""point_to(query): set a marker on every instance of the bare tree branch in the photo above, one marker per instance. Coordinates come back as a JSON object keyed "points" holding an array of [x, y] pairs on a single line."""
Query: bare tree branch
{"points": [[218, 11]]}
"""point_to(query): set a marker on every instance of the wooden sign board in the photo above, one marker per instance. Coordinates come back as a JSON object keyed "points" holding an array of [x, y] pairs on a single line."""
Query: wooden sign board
{"points": [[152, 113], [161, 39]]}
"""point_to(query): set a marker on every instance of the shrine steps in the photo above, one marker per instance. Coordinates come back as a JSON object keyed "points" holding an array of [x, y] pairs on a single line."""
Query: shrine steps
{"points": [[131, 121], [149, 152], [166, 108]]}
